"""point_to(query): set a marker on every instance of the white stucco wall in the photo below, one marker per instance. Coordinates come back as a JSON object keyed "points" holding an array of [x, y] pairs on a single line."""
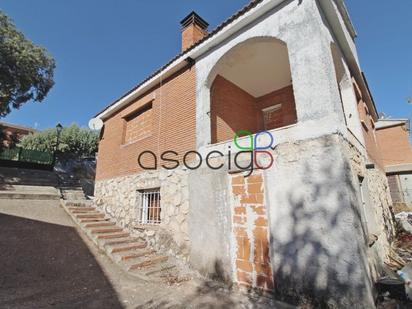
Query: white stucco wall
{"points": [[316, 93]]}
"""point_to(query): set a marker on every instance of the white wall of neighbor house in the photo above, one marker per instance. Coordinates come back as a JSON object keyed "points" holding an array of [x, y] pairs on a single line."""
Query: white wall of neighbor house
{"points": [[406, 185]]}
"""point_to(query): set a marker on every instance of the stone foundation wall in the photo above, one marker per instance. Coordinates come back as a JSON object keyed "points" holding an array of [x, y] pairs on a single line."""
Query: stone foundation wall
{"points": [[118, 197], [379, 226]]}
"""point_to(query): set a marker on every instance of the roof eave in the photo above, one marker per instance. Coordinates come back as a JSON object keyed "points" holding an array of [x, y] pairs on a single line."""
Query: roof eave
{"points": [[215, 37]]}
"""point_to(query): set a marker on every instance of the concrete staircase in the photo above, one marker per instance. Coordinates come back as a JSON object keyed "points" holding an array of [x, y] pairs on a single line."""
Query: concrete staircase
{"points": [[27, 177], [28, 184], [131, 253], [72, 193], [29, 192]]}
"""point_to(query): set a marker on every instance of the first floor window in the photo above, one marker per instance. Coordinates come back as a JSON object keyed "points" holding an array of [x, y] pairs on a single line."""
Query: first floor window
{"points": [[148, 206]]}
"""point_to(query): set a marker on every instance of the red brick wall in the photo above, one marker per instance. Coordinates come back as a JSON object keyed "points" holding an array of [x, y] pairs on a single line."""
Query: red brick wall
{"points": [[233, 109], [173, 127], [395, 146], [368, 128], [250, 228], [139, 125], [286, 115], [9, 136], [192, 34]]}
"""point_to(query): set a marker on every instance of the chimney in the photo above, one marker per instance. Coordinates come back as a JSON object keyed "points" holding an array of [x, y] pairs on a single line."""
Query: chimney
{"points": [[194, 28]]}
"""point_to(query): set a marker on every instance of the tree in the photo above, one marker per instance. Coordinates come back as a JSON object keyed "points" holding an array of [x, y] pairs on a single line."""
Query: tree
{"points": [[26, 70], [74, 141]]}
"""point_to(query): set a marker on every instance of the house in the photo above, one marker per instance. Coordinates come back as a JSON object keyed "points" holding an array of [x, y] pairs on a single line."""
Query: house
{"points": [[254, 153], [11, 133], [394, 142]]}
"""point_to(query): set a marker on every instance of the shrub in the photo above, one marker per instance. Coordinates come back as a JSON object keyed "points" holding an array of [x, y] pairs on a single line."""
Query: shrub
{"points": [[75, 141]]}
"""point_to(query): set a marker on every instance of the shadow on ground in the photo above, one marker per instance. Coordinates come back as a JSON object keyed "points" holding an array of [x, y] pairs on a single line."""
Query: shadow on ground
{"points": [[215, 295], [47, 265]]}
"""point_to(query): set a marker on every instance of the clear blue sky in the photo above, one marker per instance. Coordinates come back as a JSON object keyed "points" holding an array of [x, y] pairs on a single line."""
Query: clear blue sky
{"points": [[104, 48]]}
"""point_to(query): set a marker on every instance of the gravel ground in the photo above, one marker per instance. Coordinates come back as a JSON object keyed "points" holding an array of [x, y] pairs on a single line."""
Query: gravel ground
{"points": [[46, 263]]}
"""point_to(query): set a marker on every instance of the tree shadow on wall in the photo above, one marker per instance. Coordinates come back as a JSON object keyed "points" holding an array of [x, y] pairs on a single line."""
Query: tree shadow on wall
{"points": [[322, 255]]}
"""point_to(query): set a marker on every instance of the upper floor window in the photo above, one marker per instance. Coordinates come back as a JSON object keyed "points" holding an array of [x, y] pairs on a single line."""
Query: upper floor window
{"points": [[273, 117], [138, 124]]}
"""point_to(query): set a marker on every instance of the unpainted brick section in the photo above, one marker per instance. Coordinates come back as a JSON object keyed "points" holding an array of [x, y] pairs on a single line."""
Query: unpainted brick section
{"points": [[233, 109], [251, 233], [395, 145], [138, 126], [368, 128], [191, 35]]}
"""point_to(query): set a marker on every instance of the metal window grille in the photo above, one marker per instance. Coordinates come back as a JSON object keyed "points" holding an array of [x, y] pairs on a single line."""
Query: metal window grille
{"points": [[148, 206]]}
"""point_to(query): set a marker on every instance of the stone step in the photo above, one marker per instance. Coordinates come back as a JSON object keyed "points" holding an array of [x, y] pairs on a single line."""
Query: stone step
{"points": [[100, 224], [106, 230], [81, 208], [22, 176], [159, 269], [131, 253], [78, 203], [82, 211], [91, 220], [136, 255], [30, 189], [112, 236], [119, 241], [128, 247], [70, 189], [90, 216], [149, 262], [19, 195]]}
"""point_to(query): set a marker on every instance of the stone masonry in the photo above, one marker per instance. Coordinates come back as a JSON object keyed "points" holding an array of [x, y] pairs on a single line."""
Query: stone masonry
{"points": [[118, 198]]}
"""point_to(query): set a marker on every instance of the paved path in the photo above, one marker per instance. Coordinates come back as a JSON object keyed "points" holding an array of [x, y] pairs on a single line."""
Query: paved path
{"points": [[46, 263]]}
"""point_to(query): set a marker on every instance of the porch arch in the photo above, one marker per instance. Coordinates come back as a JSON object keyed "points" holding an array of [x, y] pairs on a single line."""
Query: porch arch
{"points": [[251, 89]]}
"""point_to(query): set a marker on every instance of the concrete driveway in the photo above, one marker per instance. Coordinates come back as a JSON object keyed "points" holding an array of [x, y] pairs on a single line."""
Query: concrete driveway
{"points": [[46, 263]]}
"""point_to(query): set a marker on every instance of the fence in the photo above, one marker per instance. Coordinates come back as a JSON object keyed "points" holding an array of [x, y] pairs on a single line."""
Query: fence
{"points": [[26, 155]]}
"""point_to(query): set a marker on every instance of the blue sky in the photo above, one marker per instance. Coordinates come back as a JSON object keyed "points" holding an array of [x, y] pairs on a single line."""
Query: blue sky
{"points": [[104, 48]]}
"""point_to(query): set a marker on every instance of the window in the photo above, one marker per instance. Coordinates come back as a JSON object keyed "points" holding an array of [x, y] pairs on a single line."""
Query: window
{"points": [[272, 117], [138, 124], [148, 206]]}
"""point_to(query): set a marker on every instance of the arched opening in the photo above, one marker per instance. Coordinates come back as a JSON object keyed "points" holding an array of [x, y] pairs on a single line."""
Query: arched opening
{"points": [[251, 89]]}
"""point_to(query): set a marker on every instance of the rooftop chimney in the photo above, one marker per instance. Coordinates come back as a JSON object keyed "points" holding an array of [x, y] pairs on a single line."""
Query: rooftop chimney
{"points": [[194, 28]]}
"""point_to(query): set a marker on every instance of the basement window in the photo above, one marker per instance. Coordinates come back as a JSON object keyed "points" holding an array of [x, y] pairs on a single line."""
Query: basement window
{"points": [[148, 206]]}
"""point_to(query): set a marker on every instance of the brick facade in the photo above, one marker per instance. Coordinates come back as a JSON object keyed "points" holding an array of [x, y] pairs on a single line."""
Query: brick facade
{"points": [[139, 124], [191, 35], [233, 109], [10, 134], [368, 128], [250, 227], [394, 145], [173, 127]]}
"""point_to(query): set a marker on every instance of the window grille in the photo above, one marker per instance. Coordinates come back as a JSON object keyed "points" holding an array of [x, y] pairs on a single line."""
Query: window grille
{"points": [[148, 206]]}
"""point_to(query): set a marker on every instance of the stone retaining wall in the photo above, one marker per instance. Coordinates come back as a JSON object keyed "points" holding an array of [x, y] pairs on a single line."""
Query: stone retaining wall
{"points": [[117, 197]]}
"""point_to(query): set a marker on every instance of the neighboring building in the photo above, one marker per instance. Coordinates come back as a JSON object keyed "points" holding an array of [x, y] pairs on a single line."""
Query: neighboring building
{"points": [[10, 133], [300, 228], [396, 157]]}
